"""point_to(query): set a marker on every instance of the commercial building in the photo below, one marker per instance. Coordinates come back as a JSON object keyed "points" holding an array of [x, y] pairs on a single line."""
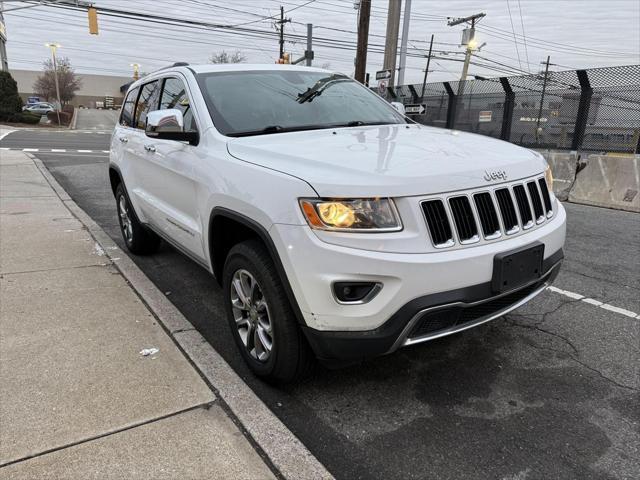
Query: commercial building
{"points": [[94, 87]]}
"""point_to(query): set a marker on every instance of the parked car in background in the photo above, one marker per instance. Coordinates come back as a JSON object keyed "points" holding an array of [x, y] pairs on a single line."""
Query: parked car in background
{"points": [[336, 226], [40, 108]]}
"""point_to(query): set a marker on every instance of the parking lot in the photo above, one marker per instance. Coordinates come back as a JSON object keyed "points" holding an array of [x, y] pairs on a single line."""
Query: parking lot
{"points": [[548, 391]]}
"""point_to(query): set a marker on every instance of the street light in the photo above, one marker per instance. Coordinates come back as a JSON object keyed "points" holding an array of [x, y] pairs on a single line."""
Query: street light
{"points": [[136, 70], [54, 47]]}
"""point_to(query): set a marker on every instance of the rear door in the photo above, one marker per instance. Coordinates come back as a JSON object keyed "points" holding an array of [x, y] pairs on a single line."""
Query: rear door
{"points": [[169, 182], [147, 100], [121, 147]]}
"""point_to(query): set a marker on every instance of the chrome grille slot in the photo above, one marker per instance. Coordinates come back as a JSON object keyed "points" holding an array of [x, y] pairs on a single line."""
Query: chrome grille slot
{"points": [[507, 210], [464, 220], [523, 206], [488, 215], [545, 196], [438, 223], [536, 201]]}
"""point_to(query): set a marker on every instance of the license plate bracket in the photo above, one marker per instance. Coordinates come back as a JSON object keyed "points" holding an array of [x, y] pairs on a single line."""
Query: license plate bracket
{"points": [[517, 267]]}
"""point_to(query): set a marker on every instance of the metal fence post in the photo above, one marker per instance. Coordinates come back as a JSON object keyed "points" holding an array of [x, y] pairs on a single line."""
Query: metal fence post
{"points": [[451, 106], [414, 94], [586, 92], [507, 113]]}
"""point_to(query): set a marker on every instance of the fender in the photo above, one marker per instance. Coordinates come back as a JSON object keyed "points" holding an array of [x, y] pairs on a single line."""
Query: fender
{"points": [[263, 234]]}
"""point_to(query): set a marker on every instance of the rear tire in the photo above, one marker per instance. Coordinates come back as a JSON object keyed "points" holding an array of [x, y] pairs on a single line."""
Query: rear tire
{"points": [[261, 318], [138, 239]]}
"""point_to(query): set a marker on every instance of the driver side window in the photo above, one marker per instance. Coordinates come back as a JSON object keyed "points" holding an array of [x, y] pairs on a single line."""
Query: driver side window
{"points": [[174, 95]]}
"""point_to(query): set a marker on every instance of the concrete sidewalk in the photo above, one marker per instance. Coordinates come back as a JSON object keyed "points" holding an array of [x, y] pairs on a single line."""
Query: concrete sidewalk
{"points": [[77, 398]]}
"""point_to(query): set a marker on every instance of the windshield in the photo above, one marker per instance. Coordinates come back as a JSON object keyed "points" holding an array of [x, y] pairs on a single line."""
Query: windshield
{"points": [[272, 101]]}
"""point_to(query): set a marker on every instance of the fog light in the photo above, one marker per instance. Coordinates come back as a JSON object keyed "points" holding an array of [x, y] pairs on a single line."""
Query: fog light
{"points": [[355, 292]]}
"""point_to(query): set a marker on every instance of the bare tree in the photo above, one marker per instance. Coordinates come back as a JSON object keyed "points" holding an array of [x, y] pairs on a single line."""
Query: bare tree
{"points": [[224, 57], [45, 84]]}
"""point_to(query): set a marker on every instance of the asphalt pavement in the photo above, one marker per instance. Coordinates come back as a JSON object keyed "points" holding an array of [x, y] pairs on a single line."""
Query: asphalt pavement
{"points": [[94, 119], [549, 391]]}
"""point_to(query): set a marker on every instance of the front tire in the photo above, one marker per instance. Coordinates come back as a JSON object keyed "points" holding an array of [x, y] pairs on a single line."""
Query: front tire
{"points": [[261, 318], [138, 239]]}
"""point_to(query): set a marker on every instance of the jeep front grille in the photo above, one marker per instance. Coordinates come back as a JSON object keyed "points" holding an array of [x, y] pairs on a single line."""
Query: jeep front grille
{"points": [[488, 215], [467, 217], [523, 206], [464, 219], [438, 223], [534, 194]]}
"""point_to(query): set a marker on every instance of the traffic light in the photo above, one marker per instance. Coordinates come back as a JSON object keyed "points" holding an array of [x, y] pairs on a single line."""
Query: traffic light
{"points": [[93, 20]]}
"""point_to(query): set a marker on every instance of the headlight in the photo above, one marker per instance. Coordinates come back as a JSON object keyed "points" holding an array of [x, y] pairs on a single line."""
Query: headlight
{"points": [[362, 214], [548, 176]]}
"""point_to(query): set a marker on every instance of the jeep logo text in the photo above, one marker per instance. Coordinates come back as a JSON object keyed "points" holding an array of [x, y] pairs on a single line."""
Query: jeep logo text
{"points": [[497, 175]]}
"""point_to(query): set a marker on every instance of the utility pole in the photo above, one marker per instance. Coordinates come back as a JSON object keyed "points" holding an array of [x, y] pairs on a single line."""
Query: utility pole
{"points": [[403, 42], [426, 70], [468, 39], [391, 42], [363, 40], [4, 63], [54, 48], [544, 88], [308, 54], [281, 22]]}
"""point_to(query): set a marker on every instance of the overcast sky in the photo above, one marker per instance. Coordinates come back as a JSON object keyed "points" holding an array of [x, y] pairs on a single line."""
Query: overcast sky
{"points": [[575, 33]]}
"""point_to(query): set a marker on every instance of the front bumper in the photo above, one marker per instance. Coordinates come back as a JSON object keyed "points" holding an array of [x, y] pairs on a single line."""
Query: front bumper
{"points": [[429, 317], [412, 283]]}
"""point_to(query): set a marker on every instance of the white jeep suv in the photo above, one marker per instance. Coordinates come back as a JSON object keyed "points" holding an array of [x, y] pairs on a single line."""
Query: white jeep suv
{"points": [[338, 228]]}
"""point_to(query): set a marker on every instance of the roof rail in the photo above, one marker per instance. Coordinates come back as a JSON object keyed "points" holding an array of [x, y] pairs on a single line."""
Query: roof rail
{"points": [[176, 64]]}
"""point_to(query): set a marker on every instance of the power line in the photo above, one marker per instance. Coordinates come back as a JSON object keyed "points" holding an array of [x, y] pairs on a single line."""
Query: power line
{"points": [[515, 42], [524, 37]]}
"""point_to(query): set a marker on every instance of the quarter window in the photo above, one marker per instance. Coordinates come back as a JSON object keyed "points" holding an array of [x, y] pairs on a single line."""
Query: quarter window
{"points": [[146, 102], [126, 117], [174, 95]]}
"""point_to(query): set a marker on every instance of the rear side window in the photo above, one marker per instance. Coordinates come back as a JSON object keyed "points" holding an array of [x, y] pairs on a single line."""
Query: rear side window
{"points": [[174, 95], [126, 117], [147, 102]]}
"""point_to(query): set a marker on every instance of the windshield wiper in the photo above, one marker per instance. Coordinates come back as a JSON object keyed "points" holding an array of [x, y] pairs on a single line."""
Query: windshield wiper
{"points": [[320, 86], [278, 129], [360, 123]]}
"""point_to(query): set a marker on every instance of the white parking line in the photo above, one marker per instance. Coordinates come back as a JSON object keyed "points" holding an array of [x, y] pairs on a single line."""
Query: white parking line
{"points": [[105, 151], [596, 303], [85, 151], [30, 149], [58, 150]]}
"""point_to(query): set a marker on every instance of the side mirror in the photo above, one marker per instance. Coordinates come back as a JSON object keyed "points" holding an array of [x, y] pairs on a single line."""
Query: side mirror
{"points": [[399, 107], [169, 125]]}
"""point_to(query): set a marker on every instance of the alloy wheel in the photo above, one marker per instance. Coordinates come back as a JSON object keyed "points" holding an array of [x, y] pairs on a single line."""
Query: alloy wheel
{"points": [[125, 220], [251, 315]]}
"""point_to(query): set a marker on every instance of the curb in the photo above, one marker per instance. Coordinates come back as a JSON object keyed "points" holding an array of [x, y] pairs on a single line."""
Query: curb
{"points": [[290, 458]]}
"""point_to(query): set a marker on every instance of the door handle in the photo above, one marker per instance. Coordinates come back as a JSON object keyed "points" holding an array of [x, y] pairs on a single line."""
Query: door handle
{"points": [[123, 139], [150, 148]]}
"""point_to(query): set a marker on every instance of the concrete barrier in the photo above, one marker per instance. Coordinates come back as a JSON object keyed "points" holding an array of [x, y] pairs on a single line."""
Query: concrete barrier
{"points": [[611, 181], [564, 166]]}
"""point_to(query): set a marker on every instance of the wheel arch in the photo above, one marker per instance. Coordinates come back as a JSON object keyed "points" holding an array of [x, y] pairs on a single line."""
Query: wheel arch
{"points": [[115, 177], [226, 229]]}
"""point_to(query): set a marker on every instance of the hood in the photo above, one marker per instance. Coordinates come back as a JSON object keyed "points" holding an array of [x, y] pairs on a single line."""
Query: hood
{"points": [[389, 160]]}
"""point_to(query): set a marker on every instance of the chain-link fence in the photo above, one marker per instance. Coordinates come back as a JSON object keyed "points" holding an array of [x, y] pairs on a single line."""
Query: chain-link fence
{"points": [[596, 109]]}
